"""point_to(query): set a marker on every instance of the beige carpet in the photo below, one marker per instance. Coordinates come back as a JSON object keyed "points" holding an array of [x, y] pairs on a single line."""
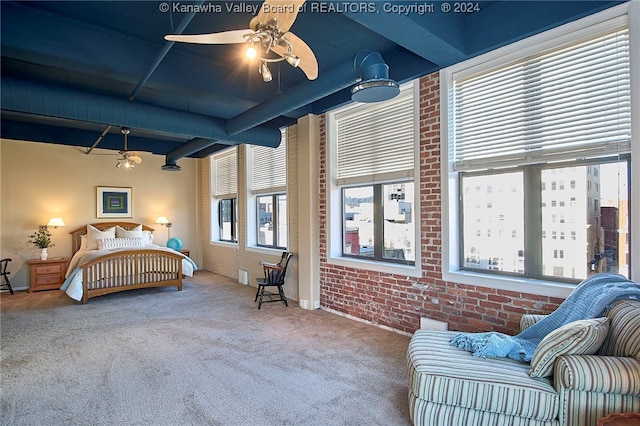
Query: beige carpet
{"points": [[203, 356]]}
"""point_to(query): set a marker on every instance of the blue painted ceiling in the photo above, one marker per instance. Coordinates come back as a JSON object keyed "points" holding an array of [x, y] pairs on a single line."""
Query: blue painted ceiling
{"points": [[70, 68]]}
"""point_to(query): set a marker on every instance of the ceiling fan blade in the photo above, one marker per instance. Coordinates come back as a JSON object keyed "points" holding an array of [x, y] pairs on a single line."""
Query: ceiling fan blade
{"points": [[225, 37], [308, 63], [284, 12]]}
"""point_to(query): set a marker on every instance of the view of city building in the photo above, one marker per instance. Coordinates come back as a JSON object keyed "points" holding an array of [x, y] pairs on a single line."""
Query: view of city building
{"points": [[583, 221], [396, 225]]}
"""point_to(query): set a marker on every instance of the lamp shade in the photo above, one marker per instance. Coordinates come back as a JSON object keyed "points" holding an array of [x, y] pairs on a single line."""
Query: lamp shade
{"points": [[55, 222], [162, 220]]}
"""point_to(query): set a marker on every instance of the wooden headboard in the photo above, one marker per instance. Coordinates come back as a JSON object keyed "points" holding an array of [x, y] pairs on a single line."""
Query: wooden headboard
{"points": [[78, 233]]}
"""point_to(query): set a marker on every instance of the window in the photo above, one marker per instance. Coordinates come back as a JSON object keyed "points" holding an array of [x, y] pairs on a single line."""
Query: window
{"points": [[372, 195], [268, 195], [378, 222], [272, 220], [227, 208], [553, 116], [224, 189]]}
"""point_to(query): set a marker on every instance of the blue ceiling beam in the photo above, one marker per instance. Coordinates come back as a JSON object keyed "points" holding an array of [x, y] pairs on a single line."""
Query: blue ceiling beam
{"points": [[38, 99], [84, 55], [62, 135], [435, 36], [330, 81], [505, 22]]}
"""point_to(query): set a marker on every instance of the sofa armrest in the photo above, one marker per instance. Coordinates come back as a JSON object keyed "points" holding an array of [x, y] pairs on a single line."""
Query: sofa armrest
{"points": [[527, 320], [595, 373]]}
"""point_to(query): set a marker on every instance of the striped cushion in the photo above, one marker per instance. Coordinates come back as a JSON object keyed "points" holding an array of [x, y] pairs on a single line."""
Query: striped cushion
{"points": [[600, 374], [442, 374], [624, 330], [111, 243], [592, 386], [431, 414], [583, 337]]}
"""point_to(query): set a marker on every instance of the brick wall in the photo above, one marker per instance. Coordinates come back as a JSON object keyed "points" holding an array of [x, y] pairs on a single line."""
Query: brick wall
{"points": [[397, 301]]}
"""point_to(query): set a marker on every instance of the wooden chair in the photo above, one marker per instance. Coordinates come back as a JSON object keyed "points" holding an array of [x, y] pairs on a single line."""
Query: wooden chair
{"points": [[3, 272], [274, 275]]}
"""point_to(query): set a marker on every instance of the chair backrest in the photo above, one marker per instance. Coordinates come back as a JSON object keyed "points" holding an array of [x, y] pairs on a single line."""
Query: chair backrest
{"points": [[276, 276], [3, 266], [284, 258]]}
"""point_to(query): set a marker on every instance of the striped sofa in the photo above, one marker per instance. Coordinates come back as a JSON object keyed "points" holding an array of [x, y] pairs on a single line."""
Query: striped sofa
{"points": [[450, 387]]}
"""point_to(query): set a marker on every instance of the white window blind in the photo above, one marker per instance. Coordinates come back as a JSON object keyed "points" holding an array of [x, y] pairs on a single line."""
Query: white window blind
{"points": [[270, 168], [571, 102], [376, 142], [226, 173]]}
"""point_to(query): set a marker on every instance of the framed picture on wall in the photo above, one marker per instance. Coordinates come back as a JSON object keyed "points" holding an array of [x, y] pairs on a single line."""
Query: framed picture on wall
{"points": [[114, 202]]}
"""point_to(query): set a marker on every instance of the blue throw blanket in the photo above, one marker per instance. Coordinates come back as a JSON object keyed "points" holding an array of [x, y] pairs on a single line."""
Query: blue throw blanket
{"points": [[589, 299]]}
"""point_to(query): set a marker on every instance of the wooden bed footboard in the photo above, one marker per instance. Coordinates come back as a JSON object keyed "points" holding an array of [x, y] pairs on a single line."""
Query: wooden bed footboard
{"points": [[129, 270]]}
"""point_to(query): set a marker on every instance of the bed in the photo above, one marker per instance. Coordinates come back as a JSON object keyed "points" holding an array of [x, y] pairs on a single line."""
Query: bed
{"points": [[111, 257]]}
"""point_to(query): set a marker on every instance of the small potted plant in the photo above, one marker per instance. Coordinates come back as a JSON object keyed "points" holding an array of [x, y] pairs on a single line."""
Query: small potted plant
{"points": [[42, 239]]}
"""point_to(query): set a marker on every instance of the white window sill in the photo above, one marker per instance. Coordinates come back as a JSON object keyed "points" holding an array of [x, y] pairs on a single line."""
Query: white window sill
{"points": [[224, 244], [368, 265], [520, 285], [266, 250]]}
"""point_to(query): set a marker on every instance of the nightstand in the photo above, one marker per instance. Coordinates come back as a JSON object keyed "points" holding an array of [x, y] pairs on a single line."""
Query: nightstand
{"points": [[185, 252], [47, 274]]}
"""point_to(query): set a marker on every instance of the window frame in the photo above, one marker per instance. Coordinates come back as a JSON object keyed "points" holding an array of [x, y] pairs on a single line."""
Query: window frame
{"points": [[451, 270], [234, 220], [532, 220], [252, 230], [216, 203], [334, 235], [378, 223], [275, 223]]}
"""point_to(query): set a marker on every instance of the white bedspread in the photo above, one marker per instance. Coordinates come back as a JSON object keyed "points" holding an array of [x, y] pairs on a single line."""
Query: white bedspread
{"points": [[73, 282]]}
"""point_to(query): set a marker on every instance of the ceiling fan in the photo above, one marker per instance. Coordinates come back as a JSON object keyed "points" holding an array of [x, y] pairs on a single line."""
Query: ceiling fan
{"points": [[269, 31], [129, 158]]}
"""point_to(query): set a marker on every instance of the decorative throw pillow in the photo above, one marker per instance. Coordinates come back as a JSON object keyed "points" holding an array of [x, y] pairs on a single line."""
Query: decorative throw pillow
{"points": [[131, 233], [94, 234], [583, 337], [111, 243]]}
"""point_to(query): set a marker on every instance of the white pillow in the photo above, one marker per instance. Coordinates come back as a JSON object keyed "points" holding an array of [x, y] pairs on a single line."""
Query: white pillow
{"points": [[131, 233], [83, 242], [147, 238], [94, 234], [110, 243]]}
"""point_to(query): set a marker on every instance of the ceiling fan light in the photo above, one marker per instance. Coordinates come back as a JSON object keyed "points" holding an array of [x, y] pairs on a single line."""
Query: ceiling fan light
{"points": [[293, 60], [266, 74], [251, 52]]}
